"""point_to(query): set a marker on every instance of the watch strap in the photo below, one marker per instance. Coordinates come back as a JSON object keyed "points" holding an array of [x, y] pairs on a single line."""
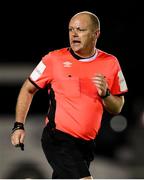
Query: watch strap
{"points": [[107, 94]]}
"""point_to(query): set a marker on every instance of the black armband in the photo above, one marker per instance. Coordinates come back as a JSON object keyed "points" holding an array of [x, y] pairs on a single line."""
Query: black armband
{"points": [[18, 125]]}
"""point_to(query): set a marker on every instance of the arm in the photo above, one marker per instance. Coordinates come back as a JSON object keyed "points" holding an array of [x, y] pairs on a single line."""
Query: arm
{"points": [[113, 104], [24, 100], [22, 107]]}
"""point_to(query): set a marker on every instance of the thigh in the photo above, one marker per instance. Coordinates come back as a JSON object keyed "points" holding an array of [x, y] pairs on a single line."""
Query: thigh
{"points": [[64, 157], [87, 150]]}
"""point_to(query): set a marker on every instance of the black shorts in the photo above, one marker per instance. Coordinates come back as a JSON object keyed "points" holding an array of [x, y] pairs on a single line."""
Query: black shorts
{"points": [[69, 157]]}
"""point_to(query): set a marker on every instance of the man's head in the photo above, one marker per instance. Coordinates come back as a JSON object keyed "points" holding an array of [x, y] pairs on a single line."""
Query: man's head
{"points": [[84, 30]]}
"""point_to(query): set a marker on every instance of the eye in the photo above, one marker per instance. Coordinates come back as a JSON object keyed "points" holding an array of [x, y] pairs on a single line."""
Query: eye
{"points": [[78, 29], [81, 29], [70, 29]]}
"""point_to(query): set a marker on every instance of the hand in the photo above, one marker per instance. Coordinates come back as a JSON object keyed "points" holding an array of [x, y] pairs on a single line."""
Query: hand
{"points": [[100, 82], [17, 138]]}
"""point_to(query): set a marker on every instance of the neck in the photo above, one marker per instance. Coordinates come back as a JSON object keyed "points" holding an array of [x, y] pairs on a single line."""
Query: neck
{"points": [[85, 54], [79, 56]]}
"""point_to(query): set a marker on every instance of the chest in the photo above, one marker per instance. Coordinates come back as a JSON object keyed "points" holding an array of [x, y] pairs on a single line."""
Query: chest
{"points": [[68, 69], [76, 77]]}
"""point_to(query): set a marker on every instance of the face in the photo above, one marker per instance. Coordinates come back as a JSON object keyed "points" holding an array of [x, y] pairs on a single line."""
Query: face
{"points": [[82, 36]]}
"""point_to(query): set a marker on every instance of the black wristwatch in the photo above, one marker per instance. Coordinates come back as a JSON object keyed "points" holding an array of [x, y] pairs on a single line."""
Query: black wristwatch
{"points": [[107, 94]]}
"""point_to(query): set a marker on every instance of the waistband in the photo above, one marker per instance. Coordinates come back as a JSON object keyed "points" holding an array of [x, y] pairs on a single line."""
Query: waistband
{"points": [[63, 135]]}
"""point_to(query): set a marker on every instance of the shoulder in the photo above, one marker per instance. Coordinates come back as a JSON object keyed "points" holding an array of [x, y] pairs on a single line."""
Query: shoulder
{"points": [[105, 54], [57, 52], [108, 56], [54, 55]]}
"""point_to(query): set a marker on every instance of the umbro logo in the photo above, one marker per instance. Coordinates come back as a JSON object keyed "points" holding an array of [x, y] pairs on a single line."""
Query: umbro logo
{"points": [[67, 64]]}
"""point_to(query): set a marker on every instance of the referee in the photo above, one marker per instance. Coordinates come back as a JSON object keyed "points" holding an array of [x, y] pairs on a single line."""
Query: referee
{"points": [[83, 81]]}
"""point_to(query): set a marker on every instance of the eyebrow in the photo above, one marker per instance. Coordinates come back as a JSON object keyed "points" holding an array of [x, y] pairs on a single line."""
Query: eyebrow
{"points": [[78, 28]]}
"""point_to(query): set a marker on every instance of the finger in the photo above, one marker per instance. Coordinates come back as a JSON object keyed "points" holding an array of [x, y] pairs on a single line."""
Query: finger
{"points": [[99, 86], [15, 139], [99, 75], [12, 141], [22, 138], [98, 80], [98, 83]]}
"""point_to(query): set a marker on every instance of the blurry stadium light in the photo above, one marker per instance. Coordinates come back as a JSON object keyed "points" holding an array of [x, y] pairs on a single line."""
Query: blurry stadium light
{"points": [[118, 123], [12, 73]]}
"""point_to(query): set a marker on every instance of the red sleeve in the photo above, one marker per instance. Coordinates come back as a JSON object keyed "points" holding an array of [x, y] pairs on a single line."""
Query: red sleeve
{"points": [[42, 74], [119, 85]]}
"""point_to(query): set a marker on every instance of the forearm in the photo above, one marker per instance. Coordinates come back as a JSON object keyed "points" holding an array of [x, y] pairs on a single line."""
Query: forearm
{"points": [[24, 101], [113, 104], [23, 105]]}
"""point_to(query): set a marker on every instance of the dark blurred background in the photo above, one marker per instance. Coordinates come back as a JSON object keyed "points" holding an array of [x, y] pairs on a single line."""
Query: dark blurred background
{"points": [[30, 30]]}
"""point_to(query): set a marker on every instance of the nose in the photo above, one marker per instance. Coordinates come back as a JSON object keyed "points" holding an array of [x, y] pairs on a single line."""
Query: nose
{"points": [[74, 32]]}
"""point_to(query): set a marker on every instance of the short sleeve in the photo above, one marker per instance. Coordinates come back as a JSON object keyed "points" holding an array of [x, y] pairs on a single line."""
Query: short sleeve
{"points": [[119, 85], [42, 74]]}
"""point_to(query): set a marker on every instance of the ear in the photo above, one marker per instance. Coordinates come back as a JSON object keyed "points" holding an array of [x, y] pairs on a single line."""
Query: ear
{"points": [[97, 33]]}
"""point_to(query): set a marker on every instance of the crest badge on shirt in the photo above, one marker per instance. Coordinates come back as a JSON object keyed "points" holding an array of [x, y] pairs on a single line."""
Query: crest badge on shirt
{"points": [[67, 64]]}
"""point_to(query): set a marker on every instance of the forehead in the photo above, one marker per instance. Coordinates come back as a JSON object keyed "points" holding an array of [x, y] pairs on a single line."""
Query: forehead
{"points": [[81, 20]]}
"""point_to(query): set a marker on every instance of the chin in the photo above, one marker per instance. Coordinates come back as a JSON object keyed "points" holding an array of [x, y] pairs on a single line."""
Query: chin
{"points": [[76, 49]]}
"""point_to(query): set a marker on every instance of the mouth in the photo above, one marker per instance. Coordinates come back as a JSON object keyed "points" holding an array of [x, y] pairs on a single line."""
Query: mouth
{"points": [[76, 42]]}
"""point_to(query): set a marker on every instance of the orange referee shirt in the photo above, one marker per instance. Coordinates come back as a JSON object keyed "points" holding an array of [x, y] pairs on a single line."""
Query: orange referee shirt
{"points": [[79, 108]]}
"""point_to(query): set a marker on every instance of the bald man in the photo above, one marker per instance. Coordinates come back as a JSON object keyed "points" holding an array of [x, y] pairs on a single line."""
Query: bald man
{"points": [[83, 81]]}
